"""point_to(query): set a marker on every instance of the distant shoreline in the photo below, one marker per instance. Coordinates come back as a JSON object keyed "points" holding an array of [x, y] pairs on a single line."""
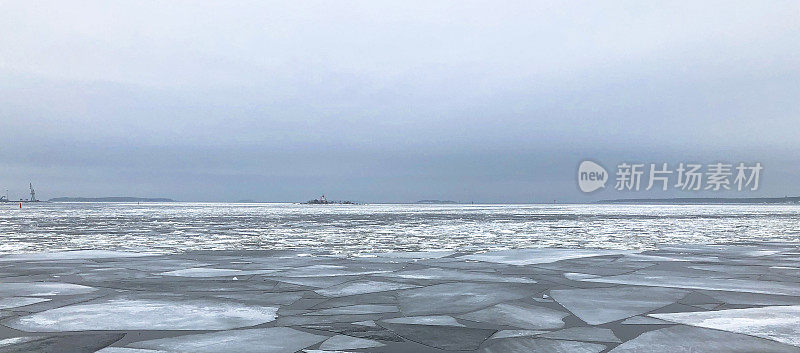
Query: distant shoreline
{"points": [[709, 200], [436, 202], [664, 201], [111, 199]]}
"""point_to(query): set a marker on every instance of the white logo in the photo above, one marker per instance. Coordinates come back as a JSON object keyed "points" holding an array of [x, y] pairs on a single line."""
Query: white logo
{"points": [[591, 176]]}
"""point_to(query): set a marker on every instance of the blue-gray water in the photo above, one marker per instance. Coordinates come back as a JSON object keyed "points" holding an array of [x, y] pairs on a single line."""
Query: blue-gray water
{"points": [[172, 227]]}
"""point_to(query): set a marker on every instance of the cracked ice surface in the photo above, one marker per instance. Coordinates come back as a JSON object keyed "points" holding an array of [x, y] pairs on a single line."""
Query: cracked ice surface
{"points": [[598, 306], [43, 289], [442, 337], [340, 342], [212, 272], [128, 350], [361, 287], [721, 284], [524, 316], [591, 334], [457, 297], [540, 345], [146, 314], [357, 309], [779, 323], [264, 340], [687, 339], [644, 320], [538, 256], [454, 275], [436, 320], [13, 302], [72, 255], [78, 343], [540, 300], [516, 333]]}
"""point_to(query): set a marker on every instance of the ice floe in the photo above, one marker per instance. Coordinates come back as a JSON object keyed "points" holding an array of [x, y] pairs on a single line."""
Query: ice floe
{"points": [[10, 289], [591, 334], [597, 306], [745, 298], [688, 339], [357, 309], [779, 323], [340, 342], [14, 302], [540, 345], [452, 298], [361, 287], [146, 314], [327, 271], [436, 320], [456, 275], [538, 256], [707, 283], [212, 272], [442, 337], [77, 343], [260, 340], [399, 303], [525, 316], [433, 254], [128, 350], [644, 320], [72, 255], [517, 333]]}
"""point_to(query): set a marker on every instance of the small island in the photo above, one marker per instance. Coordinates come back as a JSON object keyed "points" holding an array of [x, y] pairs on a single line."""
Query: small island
{"points": [[436, 202], [324, 201]]}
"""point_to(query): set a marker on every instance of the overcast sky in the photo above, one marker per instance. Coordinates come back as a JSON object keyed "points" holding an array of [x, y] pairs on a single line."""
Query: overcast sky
{"points": [[490, 101]]}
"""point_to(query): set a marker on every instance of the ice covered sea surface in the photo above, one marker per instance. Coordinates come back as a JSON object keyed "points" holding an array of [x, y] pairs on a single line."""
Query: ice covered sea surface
{"points": [[176, 227]]}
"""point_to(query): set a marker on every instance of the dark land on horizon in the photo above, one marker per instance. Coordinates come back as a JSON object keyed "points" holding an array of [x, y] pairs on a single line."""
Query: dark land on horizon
{"points": [[677, 200], [713, 200], [111, 199], [436, 202]]}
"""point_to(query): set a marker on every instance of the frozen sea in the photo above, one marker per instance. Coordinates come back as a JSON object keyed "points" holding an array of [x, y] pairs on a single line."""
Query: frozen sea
{"points": [[349, 229]]}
